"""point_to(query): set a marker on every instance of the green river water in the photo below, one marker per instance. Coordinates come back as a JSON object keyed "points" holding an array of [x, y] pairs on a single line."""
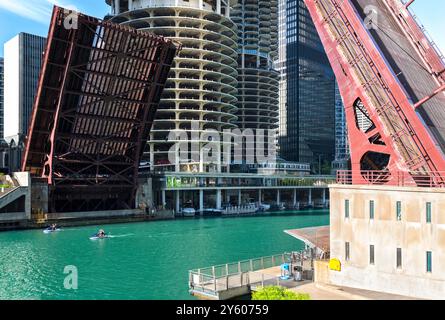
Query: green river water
{"points": [[143, 260]]}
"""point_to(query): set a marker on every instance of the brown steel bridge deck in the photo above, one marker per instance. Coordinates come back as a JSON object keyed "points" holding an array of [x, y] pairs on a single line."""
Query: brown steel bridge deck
{"points": [[407, 65], [98, 92]]}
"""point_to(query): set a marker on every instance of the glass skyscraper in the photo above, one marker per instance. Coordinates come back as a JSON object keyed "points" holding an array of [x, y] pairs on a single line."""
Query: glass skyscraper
{"points": [[307, 121], [342, 155], [281, 68]]}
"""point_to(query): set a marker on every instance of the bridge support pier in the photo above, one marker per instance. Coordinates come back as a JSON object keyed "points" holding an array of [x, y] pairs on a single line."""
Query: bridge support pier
{"points": [[218, 199], [177, 200], [201, 202]]}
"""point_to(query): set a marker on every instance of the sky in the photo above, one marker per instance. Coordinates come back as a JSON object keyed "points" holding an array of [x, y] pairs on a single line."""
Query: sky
{"points": [[33, 16]]}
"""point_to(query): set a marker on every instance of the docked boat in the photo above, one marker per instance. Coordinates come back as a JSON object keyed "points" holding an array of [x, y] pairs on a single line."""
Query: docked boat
{"points": [[212, 212], [264, 207], [293, 207], [278, 207], [250, 208], [307, 206], [188, 212]]}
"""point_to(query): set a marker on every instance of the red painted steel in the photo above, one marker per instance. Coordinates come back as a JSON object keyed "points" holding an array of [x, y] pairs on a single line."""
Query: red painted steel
{"points": [[363, 73], [98, 92], [401, 179], [427, 51]]}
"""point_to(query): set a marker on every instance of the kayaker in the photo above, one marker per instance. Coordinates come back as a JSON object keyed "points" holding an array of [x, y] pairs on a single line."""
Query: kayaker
{"points": [[101, 233], [53, 227]]}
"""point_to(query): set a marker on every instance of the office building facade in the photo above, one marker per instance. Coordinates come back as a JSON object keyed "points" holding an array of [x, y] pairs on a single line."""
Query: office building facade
{"points": [[281, 68], [201, 91], [308, 117], [23, 59]]}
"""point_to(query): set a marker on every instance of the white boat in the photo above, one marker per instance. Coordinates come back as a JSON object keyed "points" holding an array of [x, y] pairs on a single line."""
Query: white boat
{"points": [[250, 208], [188, 212], [264, 207], [49, 230]]}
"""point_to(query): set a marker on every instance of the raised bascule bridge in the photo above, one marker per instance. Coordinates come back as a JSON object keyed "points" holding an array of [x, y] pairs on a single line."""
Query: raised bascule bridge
{"points": [[391, 77], [98, 92], [386, 224]]}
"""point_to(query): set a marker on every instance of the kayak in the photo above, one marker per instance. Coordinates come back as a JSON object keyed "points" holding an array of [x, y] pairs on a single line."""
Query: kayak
{"points": [[48, 230], [96, 237]]}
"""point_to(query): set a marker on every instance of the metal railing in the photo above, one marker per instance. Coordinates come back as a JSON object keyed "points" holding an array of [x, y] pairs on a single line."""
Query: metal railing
{"points": [[430, 179], [425, 32], [211, 280]]}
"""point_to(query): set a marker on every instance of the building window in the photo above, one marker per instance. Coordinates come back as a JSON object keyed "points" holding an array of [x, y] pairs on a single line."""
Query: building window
{"points": [[399, 258], [371, 254], [428, 212], [347, 249], [429, 261], [371, 209], [346, 208], [399, 210]]}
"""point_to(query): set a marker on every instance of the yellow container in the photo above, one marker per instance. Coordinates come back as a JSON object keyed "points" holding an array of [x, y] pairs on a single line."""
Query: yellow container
{"points": [[335, 265]]}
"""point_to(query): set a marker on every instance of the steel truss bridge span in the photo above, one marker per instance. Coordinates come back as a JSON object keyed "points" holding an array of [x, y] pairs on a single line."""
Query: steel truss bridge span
{"points": [[98, 92], [391, 77]]}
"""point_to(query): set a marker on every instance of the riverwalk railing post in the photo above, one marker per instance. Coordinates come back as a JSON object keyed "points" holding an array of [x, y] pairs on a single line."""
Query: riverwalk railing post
{"points": [[214, 278], [227, 269], [227, 282], [262, 279], [262, 263], [273, 261], [239, 267], [251, 264]]}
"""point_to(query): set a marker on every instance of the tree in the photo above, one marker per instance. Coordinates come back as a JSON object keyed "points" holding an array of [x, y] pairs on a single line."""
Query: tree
{"points": [[278, 293]]}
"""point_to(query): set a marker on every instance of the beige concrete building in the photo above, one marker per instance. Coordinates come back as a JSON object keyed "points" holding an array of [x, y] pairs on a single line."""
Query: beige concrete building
{"points": [[389, 239]]}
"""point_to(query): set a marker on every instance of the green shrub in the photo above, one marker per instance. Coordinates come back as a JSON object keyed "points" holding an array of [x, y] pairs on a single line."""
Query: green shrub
{"points": [[278, 293]]}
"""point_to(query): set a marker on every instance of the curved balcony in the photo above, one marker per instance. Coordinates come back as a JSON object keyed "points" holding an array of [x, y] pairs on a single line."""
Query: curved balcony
{"points": [[202, 85]]}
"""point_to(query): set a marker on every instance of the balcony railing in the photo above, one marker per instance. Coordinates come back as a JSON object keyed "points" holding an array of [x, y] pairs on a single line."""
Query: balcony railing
{"points": [[432, 179]]}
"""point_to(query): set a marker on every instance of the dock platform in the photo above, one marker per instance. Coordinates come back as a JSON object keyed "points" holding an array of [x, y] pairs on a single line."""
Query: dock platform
{"points": [[239, 279]]}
